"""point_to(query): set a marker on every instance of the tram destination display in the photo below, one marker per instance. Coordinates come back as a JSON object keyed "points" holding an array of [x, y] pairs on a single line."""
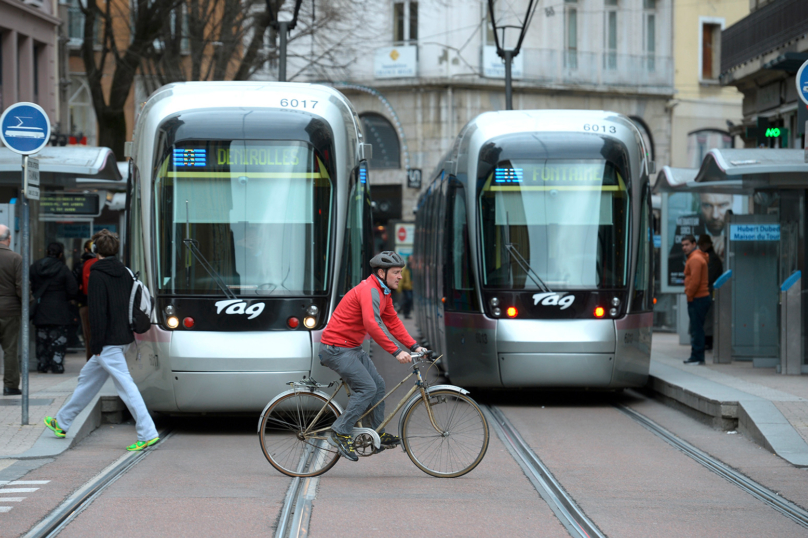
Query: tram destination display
{"points": [[70, 205]]}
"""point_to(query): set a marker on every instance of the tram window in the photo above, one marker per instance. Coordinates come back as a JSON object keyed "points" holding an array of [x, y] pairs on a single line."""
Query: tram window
{"points": [[356, 243], [259, 211], [462, 296], [568, 219], [134, 235], [643, 275]]}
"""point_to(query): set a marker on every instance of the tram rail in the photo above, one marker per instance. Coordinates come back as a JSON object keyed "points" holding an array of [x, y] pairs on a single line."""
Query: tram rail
{"points": [[66, 512]]}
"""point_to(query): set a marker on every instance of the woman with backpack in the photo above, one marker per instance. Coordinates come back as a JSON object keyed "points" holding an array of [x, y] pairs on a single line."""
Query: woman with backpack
{"points": [[109, 291], [53, 287]]}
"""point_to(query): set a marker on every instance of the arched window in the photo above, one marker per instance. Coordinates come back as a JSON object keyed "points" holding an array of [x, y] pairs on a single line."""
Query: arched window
{"points": [[381, 134], [701, 141]]}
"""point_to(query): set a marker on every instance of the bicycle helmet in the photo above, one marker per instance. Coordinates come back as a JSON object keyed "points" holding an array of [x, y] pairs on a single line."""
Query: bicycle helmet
{"points": [[386, 260]]}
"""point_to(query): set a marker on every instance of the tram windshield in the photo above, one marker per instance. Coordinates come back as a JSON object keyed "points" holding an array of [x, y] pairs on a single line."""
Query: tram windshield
{"points": [[259, 213], [555, 223]]}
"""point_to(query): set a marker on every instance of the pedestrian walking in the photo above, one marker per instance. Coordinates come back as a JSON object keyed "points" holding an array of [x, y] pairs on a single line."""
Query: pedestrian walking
{"points": [[698, 296], [406, 291], [53, 286], [10, 312], [714, 270], [109, 290], [87, 260]]}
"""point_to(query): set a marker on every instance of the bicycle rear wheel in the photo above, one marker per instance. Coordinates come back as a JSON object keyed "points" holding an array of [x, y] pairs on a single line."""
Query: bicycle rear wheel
{"points": [[460, 445], [284, 440]]}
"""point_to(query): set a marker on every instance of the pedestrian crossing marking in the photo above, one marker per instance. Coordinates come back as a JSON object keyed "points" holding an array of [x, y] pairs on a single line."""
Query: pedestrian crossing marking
{"points": [[17, 490], [27, 482], [12, 499], [4, 509]]}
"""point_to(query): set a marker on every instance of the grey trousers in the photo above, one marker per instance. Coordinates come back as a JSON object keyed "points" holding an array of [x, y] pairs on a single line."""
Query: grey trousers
{"points": [[367, 386], [92, 377]]}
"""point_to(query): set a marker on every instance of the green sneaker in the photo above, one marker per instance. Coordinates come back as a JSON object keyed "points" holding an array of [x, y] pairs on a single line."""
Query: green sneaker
{"points": [[142, 445], [51, 423]]}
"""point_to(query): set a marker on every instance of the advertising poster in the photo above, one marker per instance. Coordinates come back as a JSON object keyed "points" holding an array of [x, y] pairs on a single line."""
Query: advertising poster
{"points": [[694, 214]]}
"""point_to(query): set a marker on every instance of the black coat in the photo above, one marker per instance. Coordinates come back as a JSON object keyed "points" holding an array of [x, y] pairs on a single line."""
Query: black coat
{"points": [[78, 272], [108, 299], [53, 306], [714, 267]]}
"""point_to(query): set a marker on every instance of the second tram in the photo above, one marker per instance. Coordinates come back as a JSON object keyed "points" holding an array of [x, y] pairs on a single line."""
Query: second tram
{"points": [[249, 218], [532, 259]]}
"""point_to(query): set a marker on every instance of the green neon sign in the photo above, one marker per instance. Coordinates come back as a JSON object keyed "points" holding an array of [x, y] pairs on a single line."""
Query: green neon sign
{"points": [[773, 132]]}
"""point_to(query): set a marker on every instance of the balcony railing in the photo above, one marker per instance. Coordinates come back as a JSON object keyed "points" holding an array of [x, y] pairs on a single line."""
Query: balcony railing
{"points": [[762, 31]]}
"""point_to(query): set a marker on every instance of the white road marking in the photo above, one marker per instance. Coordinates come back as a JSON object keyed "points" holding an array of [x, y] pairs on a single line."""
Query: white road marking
{"points": [[3, 482], [4, 509], [17, 490], [12, 499], [29, 482]]}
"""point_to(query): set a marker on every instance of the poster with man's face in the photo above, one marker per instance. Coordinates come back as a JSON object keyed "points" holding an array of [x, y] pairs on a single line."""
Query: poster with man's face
{"points": [[694, 214]]}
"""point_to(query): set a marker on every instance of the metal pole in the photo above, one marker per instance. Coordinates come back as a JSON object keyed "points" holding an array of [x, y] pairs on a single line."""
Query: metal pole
{"points": [[26, 262], [508, 89], [283, 28]]}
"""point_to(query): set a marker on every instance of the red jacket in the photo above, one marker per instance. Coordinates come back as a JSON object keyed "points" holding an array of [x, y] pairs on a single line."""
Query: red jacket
{"points": [[366, 309]]}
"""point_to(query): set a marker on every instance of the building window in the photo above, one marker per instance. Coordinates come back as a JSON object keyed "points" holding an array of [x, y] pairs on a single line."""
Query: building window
{"points": [[381, 134], [75, 25], [571, 37], [702, 141], [710, 48], [649, 33], [610, 36], [405, 22]]}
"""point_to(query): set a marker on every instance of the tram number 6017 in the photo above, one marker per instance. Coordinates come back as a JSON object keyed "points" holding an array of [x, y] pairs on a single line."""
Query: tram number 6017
{"points": [[295, 103], [595, 128]]}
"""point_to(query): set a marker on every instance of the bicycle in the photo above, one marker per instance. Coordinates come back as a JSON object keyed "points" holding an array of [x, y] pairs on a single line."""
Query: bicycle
{"points": [[443, 431]]}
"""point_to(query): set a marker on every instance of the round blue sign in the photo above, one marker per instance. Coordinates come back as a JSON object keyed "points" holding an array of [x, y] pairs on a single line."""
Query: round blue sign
{"points": [[802, 83], [25, 128]]}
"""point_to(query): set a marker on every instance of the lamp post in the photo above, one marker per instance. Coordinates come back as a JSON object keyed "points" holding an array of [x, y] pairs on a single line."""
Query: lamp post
{"points": [[283, 28], [510, 20]]}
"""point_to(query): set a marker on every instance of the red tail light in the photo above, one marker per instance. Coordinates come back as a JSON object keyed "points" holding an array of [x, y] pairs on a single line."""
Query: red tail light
{"points": [[293, 322], [599, 311], [512, 311], [188, 322]]}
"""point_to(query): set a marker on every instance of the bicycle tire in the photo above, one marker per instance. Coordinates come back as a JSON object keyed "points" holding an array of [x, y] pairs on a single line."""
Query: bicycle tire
{"points": [[463, 446], [285, 445]]}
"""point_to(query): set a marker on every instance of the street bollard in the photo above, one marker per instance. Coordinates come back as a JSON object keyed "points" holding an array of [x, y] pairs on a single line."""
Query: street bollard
{"points": [[791, 325], [722, 321]]}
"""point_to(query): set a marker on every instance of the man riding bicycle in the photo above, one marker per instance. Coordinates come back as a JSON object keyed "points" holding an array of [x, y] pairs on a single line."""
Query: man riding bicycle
{"points": [[367, 308]]}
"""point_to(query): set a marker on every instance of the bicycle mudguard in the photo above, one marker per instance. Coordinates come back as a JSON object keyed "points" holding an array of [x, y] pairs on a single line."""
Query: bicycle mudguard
{"points": [[416, 397], [293, 391]]}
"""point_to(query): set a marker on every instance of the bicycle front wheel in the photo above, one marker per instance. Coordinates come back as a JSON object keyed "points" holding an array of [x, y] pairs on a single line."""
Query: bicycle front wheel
{"points": [[460, 444], [293, 441]]}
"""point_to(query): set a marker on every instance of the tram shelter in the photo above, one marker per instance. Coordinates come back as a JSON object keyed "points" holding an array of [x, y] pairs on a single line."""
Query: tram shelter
{"points": [[753, 204]]}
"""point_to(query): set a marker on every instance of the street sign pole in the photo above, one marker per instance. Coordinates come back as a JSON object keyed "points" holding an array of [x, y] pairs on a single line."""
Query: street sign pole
{"points": [[25, 129]]}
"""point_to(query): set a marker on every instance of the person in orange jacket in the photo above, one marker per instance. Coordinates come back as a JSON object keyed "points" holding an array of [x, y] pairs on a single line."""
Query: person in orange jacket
{"points": [[698, 296]]}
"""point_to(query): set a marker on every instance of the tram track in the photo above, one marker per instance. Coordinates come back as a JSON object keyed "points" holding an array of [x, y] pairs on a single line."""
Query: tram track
{"points": [[560, 502], [83, 497], [755, 489]]}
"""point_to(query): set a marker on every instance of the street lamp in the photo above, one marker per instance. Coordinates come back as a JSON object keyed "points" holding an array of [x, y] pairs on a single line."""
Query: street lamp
{"points": [[283, 28], [507, 24]]}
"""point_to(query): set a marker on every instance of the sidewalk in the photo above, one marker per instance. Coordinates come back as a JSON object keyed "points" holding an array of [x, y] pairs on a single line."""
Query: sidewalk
{"points": [[47, 394], [770, 408]]}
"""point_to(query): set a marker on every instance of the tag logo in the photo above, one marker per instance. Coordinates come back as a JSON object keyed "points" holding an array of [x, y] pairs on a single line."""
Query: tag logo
{"points": [[553, 299], [237, 306]]}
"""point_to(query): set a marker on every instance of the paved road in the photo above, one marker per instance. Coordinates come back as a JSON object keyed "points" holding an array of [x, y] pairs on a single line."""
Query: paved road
{"points": [[210, 479]]}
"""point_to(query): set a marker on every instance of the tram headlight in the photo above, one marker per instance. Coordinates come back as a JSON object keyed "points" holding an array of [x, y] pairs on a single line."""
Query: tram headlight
{"points": [[613, 312], [494, 301], [169, 310], [309, 322], [312, 310], [615, 301], [497, 312], [173, 322]]}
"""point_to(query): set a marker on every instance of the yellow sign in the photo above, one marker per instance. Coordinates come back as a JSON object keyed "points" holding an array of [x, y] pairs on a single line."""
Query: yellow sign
{"points": [[394, 55]]}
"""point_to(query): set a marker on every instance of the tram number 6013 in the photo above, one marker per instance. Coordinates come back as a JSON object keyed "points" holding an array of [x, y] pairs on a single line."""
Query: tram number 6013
{"points": [[298, 103], [595, 128]]}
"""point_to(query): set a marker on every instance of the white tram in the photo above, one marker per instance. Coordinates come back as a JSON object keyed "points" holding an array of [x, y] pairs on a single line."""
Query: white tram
{"points": [[249, 219], [533, 252]]}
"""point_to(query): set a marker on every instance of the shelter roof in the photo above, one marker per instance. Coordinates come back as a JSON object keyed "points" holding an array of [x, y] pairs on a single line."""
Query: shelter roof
{"points": [[62, 165]]}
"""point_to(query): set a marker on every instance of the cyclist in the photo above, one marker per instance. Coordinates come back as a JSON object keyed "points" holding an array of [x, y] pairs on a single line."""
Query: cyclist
{"points": [[367, 308]]}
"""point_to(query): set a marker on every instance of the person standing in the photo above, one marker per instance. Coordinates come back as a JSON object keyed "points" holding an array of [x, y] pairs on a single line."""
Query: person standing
{"points": [[405, 287], [109, 291], [10, 312], [87, 259], [698, 296], [714, 270], [53, 286]]}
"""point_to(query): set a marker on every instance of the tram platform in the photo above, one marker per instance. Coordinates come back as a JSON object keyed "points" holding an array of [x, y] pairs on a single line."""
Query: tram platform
{"points": [[769, 408], [47, 394]]}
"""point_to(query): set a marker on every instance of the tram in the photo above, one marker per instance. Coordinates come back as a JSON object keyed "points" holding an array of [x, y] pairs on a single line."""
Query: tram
{"points": [[532, 254], [248, 219]]}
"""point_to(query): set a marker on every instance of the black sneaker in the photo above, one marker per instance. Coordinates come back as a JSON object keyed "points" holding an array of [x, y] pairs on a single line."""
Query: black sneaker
{"points": [[11, 391], [344, 445], [693, 362], [389, 441]]}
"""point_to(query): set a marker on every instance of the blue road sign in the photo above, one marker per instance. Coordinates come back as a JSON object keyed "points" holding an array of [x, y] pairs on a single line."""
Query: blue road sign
{"points": [[802, 83], [25, 128]]}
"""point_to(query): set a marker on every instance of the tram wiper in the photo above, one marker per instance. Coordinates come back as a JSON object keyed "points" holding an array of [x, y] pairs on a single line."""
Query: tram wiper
{"points": [[517, 256], [192, 246]]}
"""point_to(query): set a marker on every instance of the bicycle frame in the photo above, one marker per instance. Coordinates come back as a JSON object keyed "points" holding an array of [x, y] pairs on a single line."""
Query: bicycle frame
{"points": [[419, 384]]}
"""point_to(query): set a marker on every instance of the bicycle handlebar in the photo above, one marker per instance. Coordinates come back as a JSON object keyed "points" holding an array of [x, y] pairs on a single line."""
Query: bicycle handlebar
{"points": [[425, 356]]}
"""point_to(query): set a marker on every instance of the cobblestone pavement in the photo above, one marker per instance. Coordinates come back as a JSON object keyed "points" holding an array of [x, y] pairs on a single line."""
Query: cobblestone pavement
{"points": [[788, 392], [47, 393]]}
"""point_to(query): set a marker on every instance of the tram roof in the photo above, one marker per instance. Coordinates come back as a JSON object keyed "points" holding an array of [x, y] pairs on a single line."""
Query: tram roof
{"points": [[739, 171], [62, 165]]}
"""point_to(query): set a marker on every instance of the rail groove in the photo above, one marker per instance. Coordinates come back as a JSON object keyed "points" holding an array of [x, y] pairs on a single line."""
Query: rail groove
{"points": [[759, 491], [66, 512], [568, 512]]}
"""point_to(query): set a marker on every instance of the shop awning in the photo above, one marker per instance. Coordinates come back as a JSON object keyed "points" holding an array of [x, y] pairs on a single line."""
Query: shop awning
{"points": [[60, 166]]}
